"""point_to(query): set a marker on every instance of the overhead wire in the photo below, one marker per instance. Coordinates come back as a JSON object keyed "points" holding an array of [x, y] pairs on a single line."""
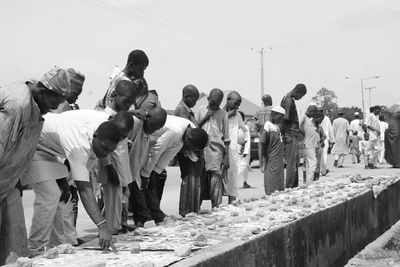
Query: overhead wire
{"points": [[144, 16]]}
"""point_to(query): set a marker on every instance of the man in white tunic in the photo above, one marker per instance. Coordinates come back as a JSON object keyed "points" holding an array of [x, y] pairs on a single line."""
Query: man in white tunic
{"points": [[373, 128], [355, 125], [330, 138], [340, 131], [231, 180]]}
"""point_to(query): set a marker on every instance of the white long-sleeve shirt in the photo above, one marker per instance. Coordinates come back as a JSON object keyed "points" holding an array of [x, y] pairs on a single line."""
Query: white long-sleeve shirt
{"points": [[169, 142]]}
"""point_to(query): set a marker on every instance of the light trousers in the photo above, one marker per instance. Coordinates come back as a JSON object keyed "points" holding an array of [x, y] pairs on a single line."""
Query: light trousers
{"points": [[382, 152], [310, 163], [244, 168], [52, 221], [324, 158], [340, 158]]}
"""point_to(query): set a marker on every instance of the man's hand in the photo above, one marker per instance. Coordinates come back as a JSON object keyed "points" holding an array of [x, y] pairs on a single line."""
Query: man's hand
{"points": [[105, 238], [141, 114], [145, 182], [64, 187], [112, 175], [231, 113], [225, 162]]}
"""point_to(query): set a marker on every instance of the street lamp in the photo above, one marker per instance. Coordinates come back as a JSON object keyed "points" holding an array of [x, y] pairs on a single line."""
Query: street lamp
{"points": [[362, 87]]}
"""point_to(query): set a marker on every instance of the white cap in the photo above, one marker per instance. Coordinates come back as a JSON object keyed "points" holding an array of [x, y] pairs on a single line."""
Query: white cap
{"points": [[278, 109], [356, 114]]}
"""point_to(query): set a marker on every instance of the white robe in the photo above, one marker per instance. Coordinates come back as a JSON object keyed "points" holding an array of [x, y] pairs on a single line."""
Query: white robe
{"points": [[231, 180]]}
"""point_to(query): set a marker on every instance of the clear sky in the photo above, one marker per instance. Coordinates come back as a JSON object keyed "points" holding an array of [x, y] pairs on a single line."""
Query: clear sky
{"points": [[209, 44]]}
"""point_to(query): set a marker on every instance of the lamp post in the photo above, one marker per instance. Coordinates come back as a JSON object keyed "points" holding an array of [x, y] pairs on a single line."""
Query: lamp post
{"points": [[362, 87]]}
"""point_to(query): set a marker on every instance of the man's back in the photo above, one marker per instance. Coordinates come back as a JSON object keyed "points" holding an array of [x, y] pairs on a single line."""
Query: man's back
{"points": [[290, 122], [21, 124]]}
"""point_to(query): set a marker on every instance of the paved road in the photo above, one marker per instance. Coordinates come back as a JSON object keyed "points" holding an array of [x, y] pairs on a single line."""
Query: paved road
{"points": [[170, 201]]}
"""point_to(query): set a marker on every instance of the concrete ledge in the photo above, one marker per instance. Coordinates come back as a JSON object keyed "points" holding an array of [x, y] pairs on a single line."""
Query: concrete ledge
{"points": [[327, 238]]}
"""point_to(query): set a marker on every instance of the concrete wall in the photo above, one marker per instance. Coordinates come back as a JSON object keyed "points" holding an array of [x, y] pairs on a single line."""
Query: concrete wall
{"points": [[327, 238]]}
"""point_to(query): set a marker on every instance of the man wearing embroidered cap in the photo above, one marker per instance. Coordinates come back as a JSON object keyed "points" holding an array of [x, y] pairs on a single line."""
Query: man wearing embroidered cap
{"points": [[76, 80], [272, 152], [21, 108]]}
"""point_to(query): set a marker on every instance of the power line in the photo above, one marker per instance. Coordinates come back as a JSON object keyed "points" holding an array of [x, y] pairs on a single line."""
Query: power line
{"points": [[162, 22]]}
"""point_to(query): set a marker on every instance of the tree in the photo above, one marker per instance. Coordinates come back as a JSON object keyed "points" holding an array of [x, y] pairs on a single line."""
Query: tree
{"points": [[326, 99]]}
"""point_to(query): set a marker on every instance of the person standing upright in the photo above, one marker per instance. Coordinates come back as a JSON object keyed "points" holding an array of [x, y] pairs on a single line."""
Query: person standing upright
{"points": [[355, 125], [384, 126], [373, 128], [235, 122], [291, 133], [214, 121], [21, 108], [191, 171], [341, 132], [330, 138], [262, 116], [272, 152]]}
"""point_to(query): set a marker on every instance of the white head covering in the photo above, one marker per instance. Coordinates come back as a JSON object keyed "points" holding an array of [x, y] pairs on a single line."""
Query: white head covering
{"points": [[356, 114], [278, 109]]}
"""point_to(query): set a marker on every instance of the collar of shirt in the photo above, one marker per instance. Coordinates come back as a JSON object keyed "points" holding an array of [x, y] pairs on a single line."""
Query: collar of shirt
{"points": [[110, 111], [189, 110]]}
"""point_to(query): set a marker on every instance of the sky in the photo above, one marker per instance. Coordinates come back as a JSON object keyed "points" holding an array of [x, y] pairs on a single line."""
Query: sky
{"points": [[210, 44]]}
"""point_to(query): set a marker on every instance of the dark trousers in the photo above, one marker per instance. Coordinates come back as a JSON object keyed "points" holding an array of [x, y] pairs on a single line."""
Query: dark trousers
{"points": [[154, 194], [74, 199], [292, 161], [138, 204], [12, 226]]}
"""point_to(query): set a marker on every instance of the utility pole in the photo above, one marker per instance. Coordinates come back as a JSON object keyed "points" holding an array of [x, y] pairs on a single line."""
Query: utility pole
{"points": [[261, 51], [369, 89]]}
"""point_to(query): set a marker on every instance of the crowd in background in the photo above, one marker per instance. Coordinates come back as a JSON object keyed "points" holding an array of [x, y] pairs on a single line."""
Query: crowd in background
{"points": [[113, 158]]}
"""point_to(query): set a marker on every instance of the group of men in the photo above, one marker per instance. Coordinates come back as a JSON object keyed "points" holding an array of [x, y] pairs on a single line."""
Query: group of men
{"points": [[114, 156], [280, 131], [362, 137]]}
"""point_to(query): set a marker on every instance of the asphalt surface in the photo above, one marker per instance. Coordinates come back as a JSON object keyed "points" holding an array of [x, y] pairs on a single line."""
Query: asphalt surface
{"points": [[170, 200]]}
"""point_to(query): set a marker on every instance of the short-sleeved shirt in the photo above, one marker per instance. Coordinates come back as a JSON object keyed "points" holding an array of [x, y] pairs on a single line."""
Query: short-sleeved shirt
{"points": [[71, 139], [119, 76], [169, 142], [290, 122], [311, 134], [20, 127], [217, 128], [119, 158]]}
